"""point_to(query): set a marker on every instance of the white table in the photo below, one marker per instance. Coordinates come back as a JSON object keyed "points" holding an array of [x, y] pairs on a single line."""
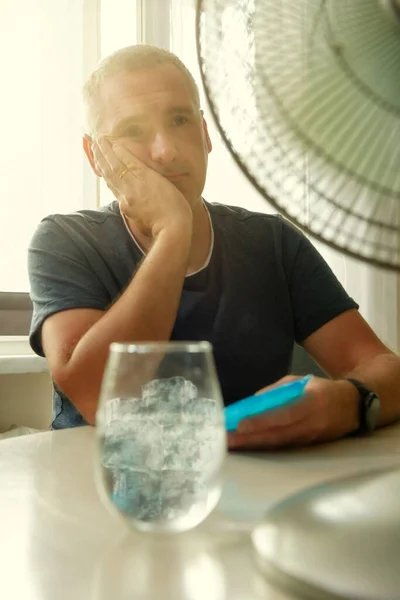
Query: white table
{"points": [[58, 542]]}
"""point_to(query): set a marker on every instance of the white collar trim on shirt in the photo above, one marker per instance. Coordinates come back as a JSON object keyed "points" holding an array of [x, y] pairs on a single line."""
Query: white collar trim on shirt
{"points": [[207, 261]]}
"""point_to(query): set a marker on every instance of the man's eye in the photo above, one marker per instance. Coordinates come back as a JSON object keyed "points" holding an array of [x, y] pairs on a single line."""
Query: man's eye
{"points": [[180, 120], [133, 132]]}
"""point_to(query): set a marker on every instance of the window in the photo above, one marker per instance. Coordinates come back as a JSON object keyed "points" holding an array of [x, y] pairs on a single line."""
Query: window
{"points": [[47, 49]]}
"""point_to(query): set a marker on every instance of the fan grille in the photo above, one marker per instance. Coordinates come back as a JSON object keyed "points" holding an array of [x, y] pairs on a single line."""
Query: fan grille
{"points": [[306, 95]]}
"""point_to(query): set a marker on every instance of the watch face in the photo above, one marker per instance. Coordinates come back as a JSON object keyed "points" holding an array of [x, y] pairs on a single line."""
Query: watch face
{"points": [[373, 409]]}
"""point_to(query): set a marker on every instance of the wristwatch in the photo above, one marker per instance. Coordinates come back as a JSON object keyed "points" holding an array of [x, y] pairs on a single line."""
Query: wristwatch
{"points": [[369, 408]]}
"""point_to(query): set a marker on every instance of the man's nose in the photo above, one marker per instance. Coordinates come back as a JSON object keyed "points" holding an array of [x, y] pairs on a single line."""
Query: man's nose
{"points": [[163, 149]]}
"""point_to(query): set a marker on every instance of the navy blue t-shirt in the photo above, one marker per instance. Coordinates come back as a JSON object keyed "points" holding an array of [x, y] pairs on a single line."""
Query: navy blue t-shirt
{"points": [[264, 288]]}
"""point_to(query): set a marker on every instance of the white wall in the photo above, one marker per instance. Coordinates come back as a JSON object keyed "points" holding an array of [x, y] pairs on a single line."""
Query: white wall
{"points": [[25, 399]]}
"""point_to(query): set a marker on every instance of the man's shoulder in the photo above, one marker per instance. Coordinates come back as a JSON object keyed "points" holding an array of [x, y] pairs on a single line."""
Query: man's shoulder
{"points": [[241, 214], [79, 226], [108, 213], [231, 218]]}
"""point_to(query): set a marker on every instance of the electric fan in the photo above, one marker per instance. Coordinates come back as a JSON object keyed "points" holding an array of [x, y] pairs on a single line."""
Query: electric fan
{"points": [[306, 96]]}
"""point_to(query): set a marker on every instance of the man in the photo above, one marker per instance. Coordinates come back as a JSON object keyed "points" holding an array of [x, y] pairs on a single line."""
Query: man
{"points": [[160, 263]]}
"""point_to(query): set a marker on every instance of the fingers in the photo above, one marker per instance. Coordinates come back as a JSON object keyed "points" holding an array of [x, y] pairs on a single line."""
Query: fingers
{"points": [[112, 159], [280, 417], [106, 161], [300, 423], [286, 379], [127, 158], [296, 434]]}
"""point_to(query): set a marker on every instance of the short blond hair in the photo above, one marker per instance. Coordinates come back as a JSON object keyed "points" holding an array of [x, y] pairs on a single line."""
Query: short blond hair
{"points": [[128, 60]]}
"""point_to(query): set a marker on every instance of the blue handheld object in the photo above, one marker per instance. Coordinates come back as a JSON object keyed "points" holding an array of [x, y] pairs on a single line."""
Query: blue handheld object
{"points": [[254, 405]]}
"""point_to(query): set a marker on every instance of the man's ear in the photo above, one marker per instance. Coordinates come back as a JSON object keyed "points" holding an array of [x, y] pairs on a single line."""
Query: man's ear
{"points": [[87, 146], [206, 134]]}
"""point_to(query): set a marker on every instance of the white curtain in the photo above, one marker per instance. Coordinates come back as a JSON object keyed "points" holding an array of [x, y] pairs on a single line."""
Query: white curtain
{"points": [[375, 290]]}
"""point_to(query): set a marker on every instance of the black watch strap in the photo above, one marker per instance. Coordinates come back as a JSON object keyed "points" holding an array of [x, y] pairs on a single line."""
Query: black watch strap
{"points": [[369, 407]]}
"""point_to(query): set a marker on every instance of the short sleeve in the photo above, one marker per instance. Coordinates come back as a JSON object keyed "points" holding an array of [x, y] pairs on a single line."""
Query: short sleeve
{"points": [[316, 294], [60, 278]]}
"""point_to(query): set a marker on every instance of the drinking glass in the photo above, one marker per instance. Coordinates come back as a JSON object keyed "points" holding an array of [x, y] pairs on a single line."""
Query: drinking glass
{"points": [[161, 438]]}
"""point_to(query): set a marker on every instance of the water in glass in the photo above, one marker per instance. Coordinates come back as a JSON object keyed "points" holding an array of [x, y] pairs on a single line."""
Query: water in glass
{"points": [[161, 435]]}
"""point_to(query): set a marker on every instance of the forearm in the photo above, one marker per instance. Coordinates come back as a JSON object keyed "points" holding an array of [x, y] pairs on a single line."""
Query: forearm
{"points": [[382, 375], [146, 311]]}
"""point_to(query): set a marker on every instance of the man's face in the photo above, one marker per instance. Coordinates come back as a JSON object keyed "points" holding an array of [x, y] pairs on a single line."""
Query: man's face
{"points": [[154, 113]]}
